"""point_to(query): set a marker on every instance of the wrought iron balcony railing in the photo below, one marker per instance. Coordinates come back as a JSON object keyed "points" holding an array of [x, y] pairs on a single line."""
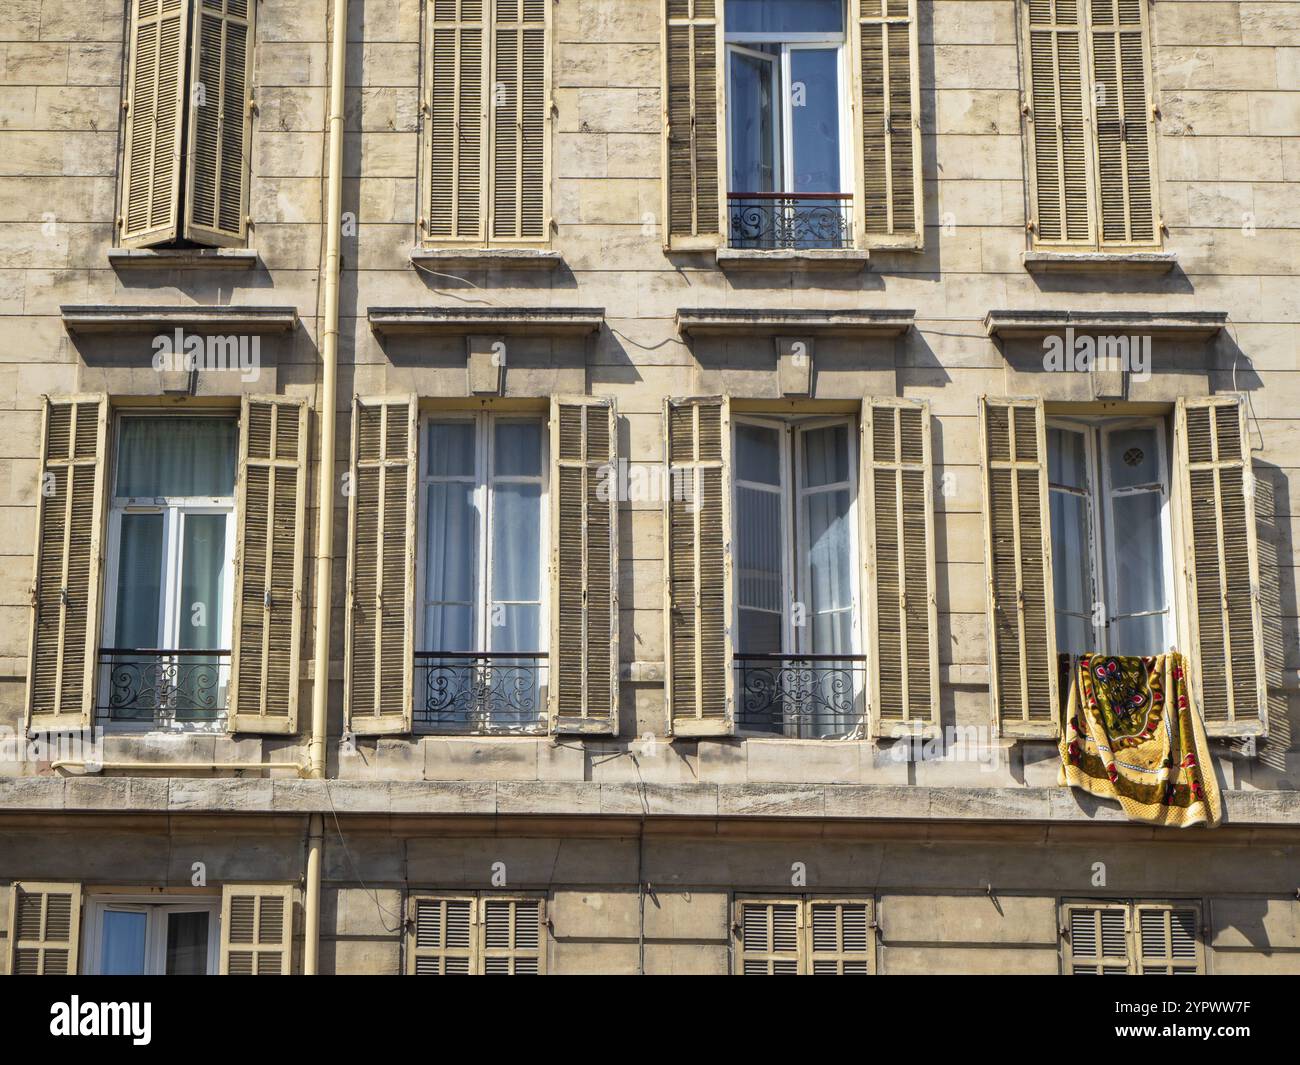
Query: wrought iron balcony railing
{"points": [[163, 687], [804, 696], [495, 691], [808, 220]]}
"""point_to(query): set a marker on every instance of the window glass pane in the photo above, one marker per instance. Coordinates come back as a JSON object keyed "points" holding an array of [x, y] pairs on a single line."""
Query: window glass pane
{"points": [[517, 450], [760, 632], [1139, 636], [187, 943], [448, 628], [1067, 458], [516, 541], [123, 935], [1074, 635], [758, 454], [1133, 456], [449, 449], [829, 571], [176, 457], [752, 116], [515, 627], [1138, 553], [139, 577], [785, 16], [758, 549], [451, 543], [815, 116], [203, 581], [1071, 572], [833, 634], [825, 456]]}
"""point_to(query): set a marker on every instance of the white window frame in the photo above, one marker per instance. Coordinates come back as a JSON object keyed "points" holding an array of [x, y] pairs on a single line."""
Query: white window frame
{"points": [[171, 613], [156, 908], [1100, 498]]}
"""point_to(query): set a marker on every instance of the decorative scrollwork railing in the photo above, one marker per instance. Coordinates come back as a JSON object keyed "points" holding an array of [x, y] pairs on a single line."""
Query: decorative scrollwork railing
{"points": [[162, 686], [805, 696], [772, 220], [495, 691]]}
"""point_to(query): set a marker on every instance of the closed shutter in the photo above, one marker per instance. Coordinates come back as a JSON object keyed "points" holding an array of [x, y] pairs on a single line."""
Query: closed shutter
{"points": [[513, 937], [520, 119], [271, 515], [440, 939], [1023, 680], [155, 108], [769, 938], [1221, 561], [44, 928], [256, 929], [1169, 940], [221, 116], [455, 117], [691, 126], [697, 509], [1123, 121], [379, 668], [902, 621], [584, 539], [1057, 127], [843, 942], [1097, 940], [69, 553], [890, 122]]}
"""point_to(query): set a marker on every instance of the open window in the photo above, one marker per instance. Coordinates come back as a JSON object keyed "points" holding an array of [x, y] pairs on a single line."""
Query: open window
{"points": [[148, 935]]}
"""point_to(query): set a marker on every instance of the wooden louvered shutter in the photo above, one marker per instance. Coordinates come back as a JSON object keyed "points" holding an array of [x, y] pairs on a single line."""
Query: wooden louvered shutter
{"points": [[843, 938], [1168, 939], [69, 554], [155, 106], [513, 936], [1018, 559], [440, 936], [691, 124], [380, 669], [1057, 123], [769, 938], [256, 929], [221, 123], [44, 928], [1122, 119], [271, 516], [1097, 940], [1221, 562], [903, 647], [455, 121], [888, 81], [520, 123], [697, 534], [584, 565]]}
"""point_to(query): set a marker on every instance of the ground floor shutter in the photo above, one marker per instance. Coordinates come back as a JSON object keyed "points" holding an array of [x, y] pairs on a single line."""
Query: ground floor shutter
{"points": [[256, 929], [44, 928], [1097, 939]]}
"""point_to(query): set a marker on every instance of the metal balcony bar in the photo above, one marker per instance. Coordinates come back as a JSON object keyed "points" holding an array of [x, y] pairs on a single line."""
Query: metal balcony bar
{"points": [[162, 686], [812, 696], [486, 692], [790, 220]]}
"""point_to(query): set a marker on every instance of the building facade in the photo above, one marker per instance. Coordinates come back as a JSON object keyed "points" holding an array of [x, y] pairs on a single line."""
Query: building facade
{"points": [[604, 485]]}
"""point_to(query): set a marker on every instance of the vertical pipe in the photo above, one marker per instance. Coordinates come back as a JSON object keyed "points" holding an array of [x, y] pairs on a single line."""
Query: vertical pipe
{"points": [[311, 896]]}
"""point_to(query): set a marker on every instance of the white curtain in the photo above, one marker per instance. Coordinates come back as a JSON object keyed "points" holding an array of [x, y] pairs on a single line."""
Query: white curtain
{"points": [[176, 457]]}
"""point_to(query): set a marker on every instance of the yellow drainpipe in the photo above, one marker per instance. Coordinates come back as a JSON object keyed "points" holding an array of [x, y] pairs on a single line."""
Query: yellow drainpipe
{"points": [[329, 350]]}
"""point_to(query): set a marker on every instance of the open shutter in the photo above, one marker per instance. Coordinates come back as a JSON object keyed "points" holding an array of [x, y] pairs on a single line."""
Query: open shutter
{"points": [[455, 117], [888, 81], [692, 185], [221, 117], [1018, 560], [1097, 940], [271, 515], [69, 553], [44, 928], [697, 533], [380, 668], [520, 119], [440, 936], [513, 937], [1122, 110], [1168, 939], [584, 565], [903, 649], [1057, 122], [156, 87], [256, 929], [843, 938], [1221, 562], [769, 938]]}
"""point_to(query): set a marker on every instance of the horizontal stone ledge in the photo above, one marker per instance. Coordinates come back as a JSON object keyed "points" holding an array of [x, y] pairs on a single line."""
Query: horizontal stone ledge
{"points": [[1099, 262], [1189, 325], [509, 321], [486, 258], [116, 318], [725, 321], [821, 260], [182, 258]]}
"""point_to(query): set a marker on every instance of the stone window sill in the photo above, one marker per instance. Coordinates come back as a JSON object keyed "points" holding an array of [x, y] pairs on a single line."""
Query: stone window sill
{"points": [[486, 258], [182, 258], [843, 260], [1080, 262]]}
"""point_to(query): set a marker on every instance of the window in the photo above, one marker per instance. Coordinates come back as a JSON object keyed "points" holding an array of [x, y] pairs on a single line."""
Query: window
{"points": [[1111, 556], [803, 936], [165, 659], [487, 115], [482, 624], [145, 936], [1132, 938], [476, 935], [188, 123], [798, 671], [1089, 123]]}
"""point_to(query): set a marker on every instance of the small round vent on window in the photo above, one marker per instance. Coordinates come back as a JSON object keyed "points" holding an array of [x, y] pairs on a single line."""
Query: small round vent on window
{"points": [[1134, 456]]}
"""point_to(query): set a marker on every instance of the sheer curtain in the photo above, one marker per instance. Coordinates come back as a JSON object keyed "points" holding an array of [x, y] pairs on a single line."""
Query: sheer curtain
{"points": [[176, 457]]}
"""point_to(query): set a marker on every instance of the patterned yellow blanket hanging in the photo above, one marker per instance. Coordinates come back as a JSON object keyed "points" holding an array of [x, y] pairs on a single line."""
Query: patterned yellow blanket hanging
{"points": [[1132, 734]]}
